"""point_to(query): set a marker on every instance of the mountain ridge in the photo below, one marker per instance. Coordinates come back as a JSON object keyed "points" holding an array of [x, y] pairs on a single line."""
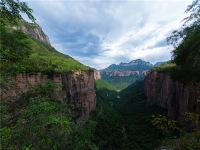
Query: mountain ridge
{"points": [[124, 74], [134, 65]]}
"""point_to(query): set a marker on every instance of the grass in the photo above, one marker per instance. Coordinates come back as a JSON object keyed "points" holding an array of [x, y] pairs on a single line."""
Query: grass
{"points": [[40, 57], [45, 58]]}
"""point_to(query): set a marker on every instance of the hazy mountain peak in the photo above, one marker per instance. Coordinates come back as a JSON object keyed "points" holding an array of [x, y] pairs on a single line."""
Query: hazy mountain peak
{"points": [[136, 62]]}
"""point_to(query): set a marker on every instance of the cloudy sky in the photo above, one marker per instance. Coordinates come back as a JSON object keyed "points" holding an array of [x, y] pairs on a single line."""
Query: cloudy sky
{"points": [[102, 32]]}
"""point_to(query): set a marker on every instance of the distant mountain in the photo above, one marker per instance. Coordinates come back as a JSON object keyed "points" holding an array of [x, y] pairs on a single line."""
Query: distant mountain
{"points": [[135, 65], [124, 74]]}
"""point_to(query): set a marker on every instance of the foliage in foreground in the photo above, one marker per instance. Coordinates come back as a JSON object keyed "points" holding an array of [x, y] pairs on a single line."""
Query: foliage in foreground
{"points": [[186, 53], [165, 67], [22, 54], [190, 141], [36, 121]]}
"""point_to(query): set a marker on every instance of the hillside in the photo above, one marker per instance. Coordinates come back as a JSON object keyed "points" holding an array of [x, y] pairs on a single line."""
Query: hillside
{"points": [[124, 74], [43, 92], [41, 57]]}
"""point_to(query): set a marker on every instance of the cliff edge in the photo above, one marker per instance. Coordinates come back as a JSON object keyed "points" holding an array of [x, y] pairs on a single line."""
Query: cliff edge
{"points": [[174, 96]]}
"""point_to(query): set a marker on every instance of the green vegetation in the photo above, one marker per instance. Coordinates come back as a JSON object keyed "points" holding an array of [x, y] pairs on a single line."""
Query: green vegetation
{"points": [[102, 84], [108, 133], [167, 126], [165, 67], [186, 53], [121, 121], [190, 141], [122, 82], [36, 121], [23, 54], [140, 134]]}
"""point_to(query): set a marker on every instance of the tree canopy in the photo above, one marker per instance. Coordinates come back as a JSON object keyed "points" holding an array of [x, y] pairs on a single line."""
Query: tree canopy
{"points": [[12, 9], [186, 42], [14, 46]]}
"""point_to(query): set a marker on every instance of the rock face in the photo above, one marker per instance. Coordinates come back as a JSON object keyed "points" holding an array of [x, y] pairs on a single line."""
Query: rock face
{"points": [[136, 62], [174, 96], [136, 67], [124, 73], [77, 89], [97, 75], [35, 31]]}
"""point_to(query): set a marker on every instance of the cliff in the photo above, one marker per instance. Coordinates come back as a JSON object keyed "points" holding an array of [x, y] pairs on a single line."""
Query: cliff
{"points": [[174, 96], [97, 75], [76, 89], [36, 32], [124, 73]]}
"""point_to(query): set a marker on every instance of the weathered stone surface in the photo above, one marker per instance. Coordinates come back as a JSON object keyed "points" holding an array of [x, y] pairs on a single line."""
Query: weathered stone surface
{"points": [[76, 88], [176, 97], [124, 73], [36, 32], [97, 75]]}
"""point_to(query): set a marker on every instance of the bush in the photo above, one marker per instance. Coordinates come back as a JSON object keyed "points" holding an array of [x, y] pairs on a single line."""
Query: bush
{"points": [[191, 141]]}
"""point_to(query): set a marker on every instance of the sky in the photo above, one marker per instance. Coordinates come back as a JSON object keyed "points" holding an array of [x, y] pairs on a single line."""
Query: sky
{"points": [[102, 32]]}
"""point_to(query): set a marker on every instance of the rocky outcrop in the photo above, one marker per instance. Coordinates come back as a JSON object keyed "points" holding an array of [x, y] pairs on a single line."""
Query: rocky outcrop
{"points": [[136, 67], [136, 62], [76, 89], [174, 96], [36, 32], [124, 73], [97, 75]]}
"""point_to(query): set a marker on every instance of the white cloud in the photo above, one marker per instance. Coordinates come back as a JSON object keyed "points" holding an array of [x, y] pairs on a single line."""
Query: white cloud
{"points": [[126, 30]]}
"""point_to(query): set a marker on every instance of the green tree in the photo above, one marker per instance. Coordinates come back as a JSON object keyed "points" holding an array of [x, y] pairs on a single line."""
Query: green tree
{"points": [[14, 46], [190, 24], [11, 9], [186, 53]]}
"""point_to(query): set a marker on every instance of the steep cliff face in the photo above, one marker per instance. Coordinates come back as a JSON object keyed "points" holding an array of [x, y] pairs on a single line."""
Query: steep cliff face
{"points": [[35, 31], [97, 75], [76, 88], [124, 73], [176, 97]]}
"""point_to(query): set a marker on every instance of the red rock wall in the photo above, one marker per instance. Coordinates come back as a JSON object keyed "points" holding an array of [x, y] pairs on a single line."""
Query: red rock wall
{"points": [[125, 73], [174, 96], [77, 89]]}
